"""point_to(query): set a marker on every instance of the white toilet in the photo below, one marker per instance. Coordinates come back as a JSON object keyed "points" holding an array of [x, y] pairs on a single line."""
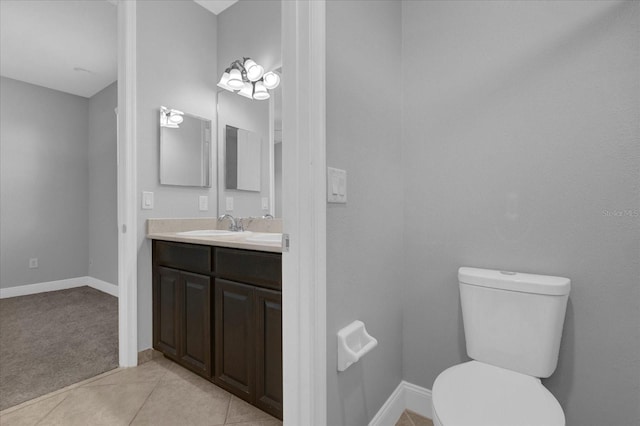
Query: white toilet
{"points": [[512, 325]]}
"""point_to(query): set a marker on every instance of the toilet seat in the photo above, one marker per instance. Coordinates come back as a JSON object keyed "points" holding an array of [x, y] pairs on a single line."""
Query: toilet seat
{"points": [[478, 394]]}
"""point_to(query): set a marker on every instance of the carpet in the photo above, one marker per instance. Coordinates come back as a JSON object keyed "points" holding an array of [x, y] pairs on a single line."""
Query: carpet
{"points": [[55, 339]]}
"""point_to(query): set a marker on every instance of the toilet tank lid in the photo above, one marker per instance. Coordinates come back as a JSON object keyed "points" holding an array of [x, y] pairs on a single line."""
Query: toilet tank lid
{"points": [[515, 281]]}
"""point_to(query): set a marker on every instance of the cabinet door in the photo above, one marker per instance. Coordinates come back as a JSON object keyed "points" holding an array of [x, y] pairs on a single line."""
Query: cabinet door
{"points": [[195, 330], [235, 338], [166, 290], [269, 351]]}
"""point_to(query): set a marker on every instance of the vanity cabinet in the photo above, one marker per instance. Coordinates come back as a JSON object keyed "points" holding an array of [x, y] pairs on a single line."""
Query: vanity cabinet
{"points": [[248, 314], [218, 312], [181, 315]]}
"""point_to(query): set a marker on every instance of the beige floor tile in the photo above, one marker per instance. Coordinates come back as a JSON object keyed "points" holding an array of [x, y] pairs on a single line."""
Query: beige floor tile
{"points": [[418, 420], [269, 422], [404, 420], [33, 413], [149, 372], [191, 401], [240, 411], [100, 405], [177, 372]]}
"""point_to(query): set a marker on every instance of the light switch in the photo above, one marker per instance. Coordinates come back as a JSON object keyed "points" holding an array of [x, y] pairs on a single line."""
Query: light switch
{"points": [[204, 203], [229, 206], [336, 185], [265, 203], [147, 200]]}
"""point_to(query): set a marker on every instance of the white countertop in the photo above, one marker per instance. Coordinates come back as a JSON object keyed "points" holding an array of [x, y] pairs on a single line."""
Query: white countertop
{"points": [[170, 230]]}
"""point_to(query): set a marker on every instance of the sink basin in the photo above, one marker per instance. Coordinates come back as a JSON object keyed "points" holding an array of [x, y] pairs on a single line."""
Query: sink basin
{"points": [[209, 233], [270, 238]]}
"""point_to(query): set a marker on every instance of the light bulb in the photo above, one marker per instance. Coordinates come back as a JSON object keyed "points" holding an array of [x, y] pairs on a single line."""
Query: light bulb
{"points": [[271, 80], [235, 79], [260, 92], [175, 118], [254, 71], [247, 90], [224, 80]]}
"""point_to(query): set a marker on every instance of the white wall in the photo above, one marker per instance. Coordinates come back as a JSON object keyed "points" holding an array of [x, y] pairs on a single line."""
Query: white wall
{"points": [[103, 214], [176, 67], [44, 184], [520, 133], [364, 237]]}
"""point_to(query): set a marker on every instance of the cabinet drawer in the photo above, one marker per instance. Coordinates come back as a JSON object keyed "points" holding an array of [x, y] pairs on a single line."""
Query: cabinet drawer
{"points": [[252, 267], [188, 257]]}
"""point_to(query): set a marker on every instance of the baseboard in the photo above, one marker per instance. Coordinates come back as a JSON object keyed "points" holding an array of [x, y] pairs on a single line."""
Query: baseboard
{"points": [[406, 396], [25, 290], [103, 286]]}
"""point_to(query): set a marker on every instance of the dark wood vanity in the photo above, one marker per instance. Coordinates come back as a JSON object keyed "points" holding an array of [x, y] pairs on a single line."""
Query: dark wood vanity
{"points": [[218, 312]]}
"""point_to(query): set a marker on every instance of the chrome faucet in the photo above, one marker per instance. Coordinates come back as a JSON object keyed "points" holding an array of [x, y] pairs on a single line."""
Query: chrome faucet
{"points": [[234, 225], [267, 216]]}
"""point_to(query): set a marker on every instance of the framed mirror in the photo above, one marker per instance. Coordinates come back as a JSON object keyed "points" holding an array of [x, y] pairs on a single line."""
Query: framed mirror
{"points": [[243, 159], [256, 190], [185, 149]]}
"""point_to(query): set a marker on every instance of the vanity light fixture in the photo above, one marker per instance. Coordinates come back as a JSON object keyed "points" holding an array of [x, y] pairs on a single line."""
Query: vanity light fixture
{"points": [[170, 117], [249, 79]]}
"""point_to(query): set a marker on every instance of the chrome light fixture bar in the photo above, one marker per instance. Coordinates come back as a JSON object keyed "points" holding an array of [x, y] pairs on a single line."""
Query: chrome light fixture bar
{"points": [[249, 79]]}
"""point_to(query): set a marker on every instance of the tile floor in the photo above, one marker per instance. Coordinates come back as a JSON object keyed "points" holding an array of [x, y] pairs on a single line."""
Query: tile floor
{"points": [[159, 392], [409, 418]]}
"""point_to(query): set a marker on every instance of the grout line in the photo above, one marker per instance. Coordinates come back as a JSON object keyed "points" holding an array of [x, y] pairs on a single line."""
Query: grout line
{"points": [[56, 406], [406, 414], [226, 416], [145, 401], [59, 391]]}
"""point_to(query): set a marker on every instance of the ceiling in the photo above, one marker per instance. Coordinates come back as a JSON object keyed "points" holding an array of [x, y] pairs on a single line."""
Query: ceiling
{"points": [[215, 6], [64, 45]]}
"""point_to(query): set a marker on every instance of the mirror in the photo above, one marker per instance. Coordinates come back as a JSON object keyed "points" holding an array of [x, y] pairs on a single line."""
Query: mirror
{"points": [[242, 160], [185, 149], [250, 165]]}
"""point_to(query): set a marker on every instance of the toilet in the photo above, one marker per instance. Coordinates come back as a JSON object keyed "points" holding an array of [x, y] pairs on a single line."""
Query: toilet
{"points": [[512, 325]]}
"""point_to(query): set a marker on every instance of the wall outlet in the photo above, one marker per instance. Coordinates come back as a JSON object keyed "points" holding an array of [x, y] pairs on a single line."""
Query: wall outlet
{"points": [[33, 263], [229, 206], [265, 203], [204, 203]]}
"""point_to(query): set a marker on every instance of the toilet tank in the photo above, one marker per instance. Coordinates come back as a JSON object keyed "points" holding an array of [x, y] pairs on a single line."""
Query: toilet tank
{"points": [[513, 320]]}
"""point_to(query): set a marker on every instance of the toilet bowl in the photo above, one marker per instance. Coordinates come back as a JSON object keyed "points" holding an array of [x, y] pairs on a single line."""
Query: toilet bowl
{"points": [[478, 394], [513, 324]]}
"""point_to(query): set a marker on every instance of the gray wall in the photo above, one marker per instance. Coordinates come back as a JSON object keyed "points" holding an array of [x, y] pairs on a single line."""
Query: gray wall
{"points": [[176, 66], [364, 237], [263, 46], [520, 133], [261, 43], [44, 184], [243, 113], [103, 207]]}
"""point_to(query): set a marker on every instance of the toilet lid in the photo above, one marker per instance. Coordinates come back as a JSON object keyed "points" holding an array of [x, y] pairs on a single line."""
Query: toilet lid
{"points": [[477, 394]]}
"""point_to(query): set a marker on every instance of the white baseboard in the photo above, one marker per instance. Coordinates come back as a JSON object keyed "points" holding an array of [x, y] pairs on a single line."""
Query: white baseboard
{"points": [[24, 290], [406, 396], [103, 286]]}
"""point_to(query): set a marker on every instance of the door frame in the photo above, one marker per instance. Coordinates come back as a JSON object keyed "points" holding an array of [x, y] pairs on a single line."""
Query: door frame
{"points": [[304, 205], [304, 213], [127, 187]]}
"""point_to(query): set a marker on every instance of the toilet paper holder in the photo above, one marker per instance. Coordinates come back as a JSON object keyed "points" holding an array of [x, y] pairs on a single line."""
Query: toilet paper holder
{"points": [[353, 343]]}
